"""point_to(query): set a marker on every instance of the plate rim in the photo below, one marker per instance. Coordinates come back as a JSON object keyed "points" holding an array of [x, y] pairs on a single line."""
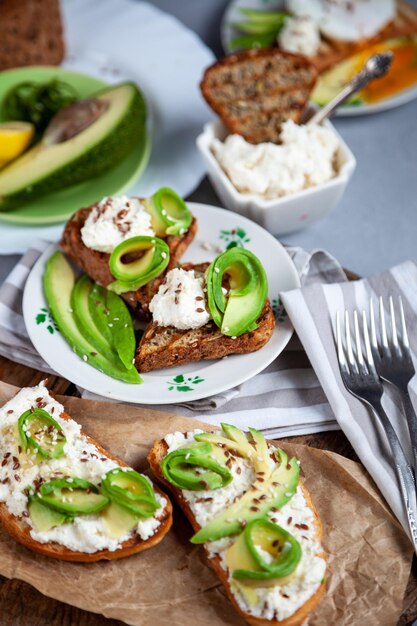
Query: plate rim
{"points": [[240, 378], [392, 102]]}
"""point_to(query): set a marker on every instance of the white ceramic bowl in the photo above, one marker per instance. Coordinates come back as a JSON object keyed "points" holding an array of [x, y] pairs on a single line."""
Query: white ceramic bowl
{"points": [[280, 215]]}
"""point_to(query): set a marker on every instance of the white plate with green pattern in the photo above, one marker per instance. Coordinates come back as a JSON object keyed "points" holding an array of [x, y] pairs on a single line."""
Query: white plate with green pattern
{"points": [[217, 230]]}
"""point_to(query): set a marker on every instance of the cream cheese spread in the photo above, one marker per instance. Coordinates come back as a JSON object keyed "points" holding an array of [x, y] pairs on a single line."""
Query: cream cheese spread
{"points": [[300, 35], [305, 158], [281, 601], [180, 301], [346, 20], [81, 459], [113, 220]]}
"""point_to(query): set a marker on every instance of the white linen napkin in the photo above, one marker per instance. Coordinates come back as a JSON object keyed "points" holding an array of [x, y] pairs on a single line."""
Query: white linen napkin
{"points": [[312, 310], [284, 399]]}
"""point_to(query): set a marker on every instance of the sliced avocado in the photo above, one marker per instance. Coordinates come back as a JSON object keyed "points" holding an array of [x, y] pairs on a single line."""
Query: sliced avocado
{"points": [[44, 518], [242, 450], [170, 215], [278, 488], [132, 275], [236, 440], [262, 460], [118, 520], [130, 490], [238, 312], [97, 305], [39, 431], [73, 496], [122, 330], [84, 320], [58, 283], [79, 144]]}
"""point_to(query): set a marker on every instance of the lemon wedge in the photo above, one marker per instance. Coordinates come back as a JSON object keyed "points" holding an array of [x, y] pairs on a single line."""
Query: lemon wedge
{"points": [[14, 139]]}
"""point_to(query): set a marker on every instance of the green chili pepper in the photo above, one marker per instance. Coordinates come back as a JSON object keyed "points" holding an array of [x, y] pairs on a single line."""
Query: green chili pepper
{"points": [[198, 467], [40, 432], [132, 274], [130, 490], [283, 548]]}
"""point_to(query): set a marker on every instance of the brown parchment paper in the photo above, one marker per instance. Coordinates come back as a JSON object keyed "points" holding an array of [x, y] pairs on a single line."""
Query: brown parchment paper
{"points": [[369, 554]]}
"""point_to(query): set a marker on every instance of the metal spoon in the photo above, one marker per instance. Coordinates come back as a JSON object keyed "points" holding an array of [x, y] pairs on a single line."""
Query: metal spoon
{"points": [[376, 66]]}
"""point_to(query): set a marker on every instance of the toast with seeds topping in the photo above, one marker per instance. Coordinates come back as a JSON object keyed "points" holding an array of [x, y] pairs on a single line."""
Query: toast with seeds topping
{"points": [[19, 527], [167, 346], [96, 264], [155, 458], [255, 91]]}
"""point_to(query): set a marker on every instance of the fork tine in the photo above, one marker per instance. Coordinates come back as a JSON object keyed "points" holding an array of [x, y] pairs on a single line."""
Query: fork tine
{"points": [[351, 358], [374, 340], [404, 334], [368, 350], [340, 349], [394, 335], [359, 355], [384, 338]]}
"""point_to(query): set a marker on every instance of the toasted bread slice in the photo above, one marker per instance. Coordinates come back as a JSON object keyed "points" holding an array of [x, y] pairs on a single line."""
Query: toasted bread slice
{"points": [[166, 346], [96, 264], [19, 529], [155, 457], [332, 51], [255, 91]]}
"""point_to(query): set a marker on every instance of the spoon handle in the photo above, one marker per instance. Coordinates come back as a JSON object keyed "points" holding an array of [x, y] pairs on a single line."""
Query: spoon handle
{"points": [[375, 67]]}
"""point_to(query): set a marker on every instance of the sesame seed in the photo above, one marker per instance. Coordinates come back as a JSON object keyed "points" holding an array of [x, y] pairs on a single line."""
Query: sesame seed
{"points": [[85, 357], [164, 255], [110, 324], [216, 269]]}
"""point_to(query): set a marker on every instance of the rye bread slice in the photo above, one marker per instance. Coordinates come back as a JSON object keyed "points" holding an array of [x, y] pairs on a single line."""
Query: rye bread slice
{"points": [[166, 346], [255, 91], [155, 457], [96, 264]]}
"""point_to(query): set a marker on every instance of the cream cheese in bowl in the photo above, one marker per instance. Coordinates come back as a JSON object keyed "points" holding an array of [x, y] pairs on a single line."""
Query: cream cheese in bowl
{"points": [[305, 158]]}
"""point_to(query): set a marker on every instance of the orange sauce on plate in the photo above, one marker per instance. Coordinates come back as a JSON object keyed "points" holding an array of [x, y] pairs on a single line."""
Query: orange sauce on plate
{"points": [[403, 72]]}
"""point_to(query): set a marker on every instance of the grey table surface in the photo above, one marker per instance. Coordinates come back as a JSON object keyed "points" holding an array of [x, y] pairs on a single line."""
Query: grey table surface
{"points": [[375, 224]]}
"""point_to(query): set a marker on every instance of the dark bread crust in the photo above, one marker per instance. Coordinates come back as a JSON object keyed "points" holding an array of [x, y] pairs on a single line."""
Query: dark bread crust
{"points": [[162, 347], [155, 456], [96, 264], [254, 91], [20, 530]]}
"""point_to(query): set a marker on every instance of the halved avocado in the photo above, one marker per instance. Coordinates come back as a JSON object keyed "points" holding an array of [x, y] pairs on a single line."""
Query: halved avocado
{"points": [[58, 282], [82, 141]]}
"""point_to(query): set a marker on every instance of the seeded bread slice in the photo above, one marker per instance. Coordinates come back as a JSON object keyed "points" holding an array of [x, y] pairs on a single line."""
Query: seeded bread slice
{"points": [[255, 91], [96, 264], [155, 457], [19, 529], [166, 346]]}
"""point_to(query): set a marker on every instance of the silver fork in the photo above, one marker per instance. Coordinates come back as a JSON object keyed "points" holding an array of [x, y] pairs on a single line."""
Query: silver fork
{"points": [[362, 381], [393, 362]]}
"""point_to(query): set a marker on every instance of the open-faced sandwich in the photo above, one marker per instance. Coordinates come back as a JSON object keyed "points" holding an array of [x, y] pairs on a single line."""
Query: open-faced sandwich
{"points": [[208, 311], [130, 250], [100, 238], [256, 520], [63, 495]]}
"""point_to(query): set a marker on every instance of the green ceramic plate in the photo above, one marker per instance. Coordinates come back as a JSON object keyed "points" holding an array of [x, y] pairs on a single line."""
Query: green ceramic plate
{"points": [[58, 206]]}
